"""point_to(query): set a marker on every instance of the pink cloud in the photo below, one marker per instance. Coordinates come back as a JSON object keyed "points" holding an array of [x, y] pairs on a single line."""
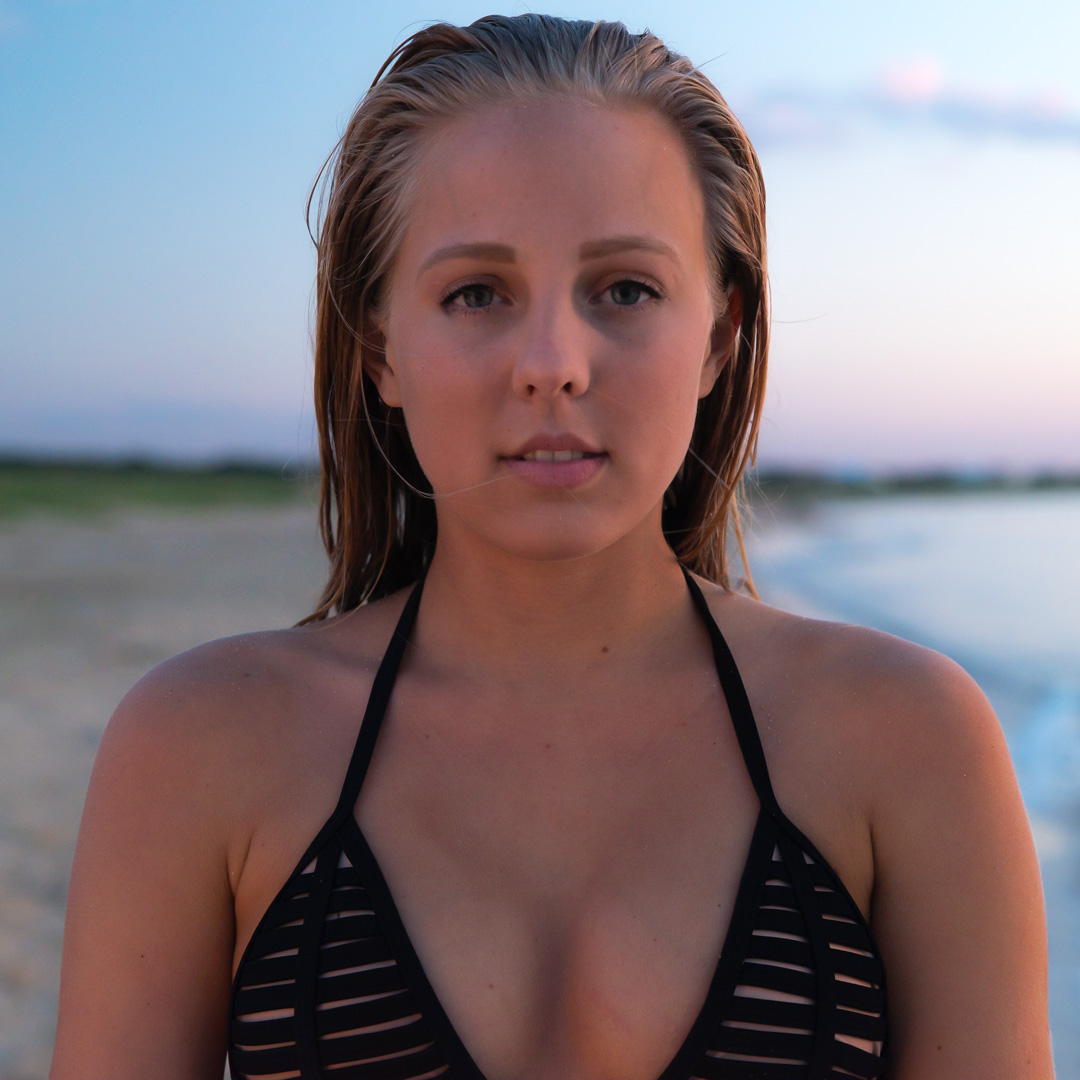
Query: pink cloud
{"points": [[916, 81], [912, 92]]}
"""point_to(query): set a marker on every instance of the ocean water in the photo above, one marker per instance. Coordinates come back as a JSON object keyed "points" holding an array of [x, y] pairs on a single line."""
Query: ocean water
{"points": [[993, 581]]}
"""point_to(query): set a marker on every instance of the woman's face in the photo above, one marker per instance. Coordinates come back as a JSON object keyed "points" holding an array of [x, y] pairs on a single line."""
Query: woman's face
{"points": [[548, 328]]}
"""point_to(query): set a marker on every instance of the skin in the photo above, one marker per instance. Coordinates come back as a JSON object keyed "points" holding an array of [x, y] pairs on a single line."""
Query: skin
{"points": [[597, 717]]}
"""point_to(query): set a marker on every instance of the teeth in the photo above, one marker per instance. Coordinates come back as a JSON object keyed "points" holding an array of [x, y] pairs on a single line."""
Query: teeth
{"points": [[553, 455]]}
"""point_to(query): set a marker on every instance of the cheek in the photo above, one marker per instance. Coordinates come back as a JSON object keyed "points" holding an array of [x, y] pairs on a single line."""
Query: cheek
{"points": [[663, 400], [446, 401]]}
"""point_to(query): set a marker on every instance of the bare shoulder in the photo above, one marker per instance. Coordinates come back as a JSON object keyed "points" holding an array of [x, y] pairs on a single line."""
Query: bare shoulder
{"points": [[236, 718], [185, 827], [222, 688], [211, 779], [899, 709], [891, 758], [871, 741]]}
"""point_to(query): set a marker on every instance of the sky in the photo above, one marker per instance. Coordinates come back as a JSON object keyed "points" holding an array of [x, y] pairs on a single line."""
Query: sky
{"points": [[922, 163]]}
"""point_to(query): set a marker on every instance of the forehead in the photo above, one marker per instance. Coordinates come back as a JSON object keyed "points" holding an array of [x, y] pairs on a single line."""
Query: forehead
{"points": [[555, 170]]}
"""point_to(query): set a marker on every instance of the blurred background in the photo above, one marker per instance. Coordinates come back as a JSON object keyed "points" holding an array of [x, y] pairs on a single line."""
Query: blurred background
{"points": [[919, 464]]}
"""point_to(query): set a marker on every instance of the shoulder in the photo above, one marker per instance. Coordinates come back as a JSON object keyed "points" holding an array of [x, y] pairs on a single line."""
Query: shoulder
{"points": [[235, 719], [221, 688], [210, 775], [907, 706], [873, 742], [891, 754]]}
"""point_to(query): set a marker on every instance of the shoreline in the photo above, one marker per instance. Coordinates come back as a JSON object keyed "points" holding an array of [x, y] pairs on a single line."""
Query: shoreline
{"points": [[88, 604]]}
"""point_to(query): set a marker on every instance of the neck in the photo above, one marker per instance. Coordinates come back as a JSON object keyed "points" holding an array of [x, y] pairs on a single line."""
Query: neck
{"points": [[487, 615]]}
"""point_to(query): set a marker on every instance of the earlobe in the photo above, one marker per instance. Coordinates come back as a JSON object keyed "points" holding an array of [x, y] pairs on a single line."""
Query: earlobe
{"points": [[378, 366], [725, 334]]}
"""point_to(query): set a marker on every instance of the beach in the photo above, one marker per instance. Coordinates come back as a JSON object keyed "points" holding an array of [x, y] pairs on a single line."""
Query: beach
{"points": [[86, 608], [88, 604], [992, 580]]}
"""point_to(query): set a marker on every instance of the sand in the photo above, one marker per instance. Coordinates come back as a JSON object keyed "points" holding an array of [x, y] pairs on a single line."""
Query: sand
{"points": [[86, 608]]}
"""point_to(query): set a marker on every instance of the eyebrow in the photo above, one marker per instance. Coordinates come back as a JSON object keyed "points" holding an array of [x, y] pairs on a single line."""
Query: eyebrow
{"points": [[591, 249]]}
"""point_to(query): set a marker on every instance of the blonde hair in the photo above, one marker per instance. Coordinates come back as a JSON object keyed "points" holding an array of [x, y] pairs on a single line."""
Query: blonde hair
{"points": [[377, 516]]}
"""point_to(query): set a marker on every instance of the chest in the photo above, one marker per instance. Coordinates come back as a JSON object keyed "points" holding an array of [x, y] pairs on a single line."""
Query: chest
{"points": [[566, 885], [567, 894]]}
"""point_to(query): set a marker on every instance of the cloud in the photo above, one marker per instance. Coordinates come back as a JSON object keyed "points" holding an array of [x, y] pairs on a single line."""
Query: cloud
{"points": [[916, 81], [913, 94], [794, 114]]}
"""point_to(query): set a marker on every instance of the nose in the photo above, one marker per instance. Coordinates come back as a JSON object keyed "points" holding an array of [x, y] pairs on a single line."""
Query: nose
{"points": [[552, 356]]}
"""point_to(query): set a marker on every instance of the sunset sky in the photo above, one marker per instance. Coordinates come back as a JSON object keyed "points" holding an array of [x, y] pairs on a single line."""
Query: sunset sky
{"points": [[922, 162]]}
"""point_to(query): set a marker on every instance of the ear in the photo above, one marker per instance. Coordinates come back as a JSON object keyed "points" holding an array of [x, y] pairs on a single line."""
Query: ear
{"points": [[377, 361], [725, 331]]}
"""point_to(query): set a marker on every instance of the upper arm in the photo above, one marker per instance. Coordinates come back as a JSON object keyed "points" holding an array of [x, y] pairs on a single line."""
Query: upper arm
{"points": [[957, 906], [149, 933]]}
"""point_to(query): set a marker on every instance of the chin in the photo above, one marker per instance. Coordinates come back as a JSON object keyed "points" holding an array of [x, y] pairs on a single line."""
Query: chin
{"points": [[566, 530], [558, 541]]}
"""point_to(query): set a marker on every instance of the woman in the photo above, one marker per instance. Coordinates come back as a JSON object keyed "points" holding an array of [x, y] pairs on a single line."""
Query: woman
{"points": [[604, 816]]}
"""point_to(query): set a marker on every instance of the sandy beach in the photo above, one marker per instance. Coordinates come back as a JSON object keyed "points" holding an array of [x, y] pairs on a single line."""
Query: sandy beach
{"points": [[88, 605], [86, 608]]}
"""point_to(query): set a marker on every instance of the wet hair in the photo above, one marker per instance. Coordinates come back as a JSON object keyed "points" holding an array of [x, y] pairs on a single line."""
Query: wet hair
{"points": [[377, 513]]}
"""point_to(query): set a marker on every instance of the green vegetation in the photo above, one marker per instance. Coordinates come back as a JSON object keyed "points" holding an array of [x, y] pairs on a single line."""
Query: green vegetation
{"points": [[804, 487], [30, 486]]}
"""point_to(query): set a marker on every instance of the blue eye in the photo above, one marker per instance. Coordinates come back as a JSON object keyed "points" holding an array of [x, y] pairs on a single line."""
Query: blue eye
{"points": [[629, 292], [629, 288], [471, 296]]}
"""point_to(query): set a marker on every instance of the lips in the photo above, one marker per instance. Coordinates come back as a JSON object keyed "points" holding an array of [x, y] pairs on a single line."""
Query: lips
{"points": [[554, 447], [556, 461], [555, 455]]}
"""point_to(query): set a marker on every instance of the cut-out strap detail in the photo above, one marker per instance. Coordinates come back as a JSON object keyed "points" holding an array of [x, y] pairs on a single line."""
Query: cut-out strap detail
{"points": [[331, 988]]}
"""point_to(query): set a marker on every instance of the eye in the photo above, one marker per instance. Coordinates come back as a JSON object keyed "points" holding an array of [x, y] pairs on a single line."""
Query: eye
{"points": [[474, 296], [629, 293], [625, 294]]}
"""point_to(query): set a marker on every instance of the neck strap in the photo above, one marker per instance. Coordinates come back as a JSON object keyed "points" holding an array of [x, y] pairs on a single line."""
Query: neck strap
{"points": [[742, 716], [378, 699]]}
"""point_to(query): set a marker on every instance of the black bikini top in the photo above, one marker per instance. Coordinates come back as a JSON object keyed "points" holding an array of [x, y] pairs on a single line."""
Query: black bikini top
{"points": [[330, 985]]}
